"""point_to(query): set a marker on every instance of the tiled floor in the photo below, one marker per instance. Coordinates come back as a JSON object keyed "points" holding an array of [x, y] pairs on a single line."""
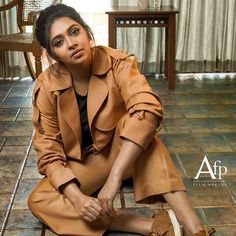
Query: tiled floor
{"points": [[200, 118]]}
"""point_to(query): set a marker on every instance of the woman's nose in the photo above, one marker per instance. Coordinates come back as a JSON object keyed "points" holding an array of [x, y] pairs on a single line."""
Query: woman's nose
{"points": [[71, 44]]}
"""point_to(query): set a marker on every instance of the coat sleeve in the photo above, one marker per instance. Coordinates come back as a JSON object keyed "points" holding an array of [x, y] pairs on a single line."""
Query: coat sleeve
{"points": [[140, 101], [47, 139]]}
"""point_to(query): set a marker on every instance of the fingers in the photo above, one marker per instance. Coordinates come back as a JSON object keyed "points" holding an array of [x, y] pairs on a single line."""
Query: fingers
{"points": [[91, 211], [107, 208]]}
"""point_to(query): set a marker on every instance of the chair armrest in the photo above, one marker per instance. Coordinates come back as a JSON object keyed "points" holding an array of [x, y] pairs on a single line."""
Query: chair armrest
{"points": [[9, 5], [32, 16]]}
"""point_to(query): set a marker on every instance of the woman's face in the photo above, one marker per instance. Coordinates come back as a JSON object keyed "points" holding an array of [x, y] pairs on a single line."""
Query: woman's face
{"points": [[70, 42]]}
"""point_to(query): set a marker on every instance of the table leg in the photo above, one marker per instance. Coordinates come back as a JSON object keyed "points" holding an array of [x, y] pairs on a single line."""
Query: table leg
{"points": [[112, 31]]}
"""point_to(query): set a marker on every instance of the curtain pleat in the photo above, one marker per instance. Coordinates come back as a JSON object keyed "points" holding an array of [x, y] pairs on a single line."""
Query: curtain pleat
{"points": [[205, 38]]}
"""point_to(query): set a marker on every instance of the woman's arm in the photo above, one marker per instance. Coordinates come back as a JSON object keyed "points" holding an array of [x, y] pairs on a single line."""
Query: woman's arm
{"points": [[145, 116], [125, 159], [89, 208]]}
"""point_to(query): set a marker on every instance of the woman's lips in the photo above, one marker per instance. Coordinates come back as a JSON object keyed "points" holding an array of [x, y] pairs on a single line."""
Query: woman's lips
{"points": [[77, 53]]}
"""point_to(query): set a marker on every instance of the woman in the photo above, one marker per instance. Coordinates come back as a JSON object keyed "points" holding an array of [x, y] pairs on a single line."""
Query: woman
{"points": [[95, 121]]}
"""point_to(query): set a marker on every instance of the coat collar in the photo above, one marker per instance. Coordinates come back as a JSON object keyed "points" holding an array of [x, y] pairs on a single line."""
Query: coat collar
{"points": [[101, 64]]}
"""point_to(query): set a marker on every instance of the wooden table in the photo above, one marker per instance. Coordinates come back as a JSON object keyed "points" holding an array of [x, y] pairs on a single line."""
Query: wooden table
{"points": [[160, 17]]}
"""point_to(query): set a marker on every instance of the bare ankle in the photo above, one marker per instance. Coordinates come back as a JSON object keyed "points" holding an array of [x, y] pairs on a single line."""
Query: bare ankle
{"points": [[193, 229]]}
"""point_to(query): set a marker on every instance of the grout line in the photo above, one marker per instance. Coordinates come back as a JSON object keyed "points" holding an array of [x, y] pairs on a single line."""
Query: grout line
{"points": [[3, 143], [6, 96], [204, 216], [15, 189], [181, 165], [122, 198], [43, 231], [17, 114], [229, 192], [28, 92]]}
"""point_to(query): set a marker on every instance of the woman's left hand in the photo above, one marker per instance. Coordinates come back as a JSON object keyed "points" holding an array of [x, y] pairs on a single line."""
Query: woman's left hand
{"points": [[107, 196]]}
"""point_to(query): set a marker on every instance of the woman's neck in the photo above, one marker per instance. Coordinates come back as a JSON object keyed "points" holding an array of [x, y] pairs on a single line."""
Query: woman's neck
{"points": [[80, 75]]}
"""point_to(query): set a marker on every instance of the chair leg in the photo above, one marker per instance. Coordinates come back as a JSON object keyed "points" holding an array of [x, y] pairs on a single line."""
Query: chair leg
{"points": [[37, 52], [30, 66]]}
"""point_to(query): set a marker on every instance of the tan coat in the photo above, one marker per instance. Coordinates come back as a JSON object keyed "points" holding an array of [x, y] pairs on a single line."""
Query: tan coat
{"points": [[118, 98]]}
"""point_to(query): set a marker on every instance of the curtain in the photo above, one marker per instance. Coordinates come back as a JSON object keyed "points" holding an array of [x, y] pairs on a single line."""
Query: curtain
{"points": [[205, 37], [10, 62]]}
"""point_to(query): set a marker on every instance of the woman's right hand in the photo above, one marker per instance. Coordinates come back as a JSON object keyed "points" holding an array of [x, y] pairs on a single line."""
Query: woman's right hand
{"points": [[89, 208]]}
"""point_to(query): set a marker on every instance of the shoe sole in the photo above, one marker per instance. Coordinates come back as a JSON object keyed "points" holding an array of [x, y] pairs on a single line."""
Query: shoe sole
{"points": [[175, 222]]}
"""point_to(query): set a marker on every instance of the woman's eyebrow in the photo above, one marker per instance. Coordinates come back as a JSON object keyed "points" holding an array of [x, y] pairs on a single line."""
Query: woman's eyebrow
{"points": [[68, 30]]}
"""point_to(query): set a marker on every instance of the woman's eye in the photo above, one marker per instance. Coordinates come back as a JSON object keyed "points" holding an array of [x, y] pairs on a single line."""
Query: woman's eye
{"points": [[58, 42], [74, 32]]}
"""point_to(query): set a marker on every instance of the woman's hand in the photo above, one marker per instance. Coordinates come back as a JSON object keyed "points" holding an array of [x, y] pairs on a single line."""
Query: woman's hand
{"points": [[89, 208], [107, 194]]}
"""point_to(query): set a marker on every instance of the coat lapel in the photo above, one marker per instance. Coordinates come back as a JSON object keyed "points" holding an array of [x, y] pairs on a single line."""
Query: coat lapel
{"points": [[97, 93], [70, 112]]}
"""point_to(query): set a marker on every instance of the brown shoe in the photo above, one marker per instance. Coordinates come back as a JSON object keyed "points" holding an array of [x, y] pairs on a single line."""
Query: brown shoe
{"points": [[165, 224]]}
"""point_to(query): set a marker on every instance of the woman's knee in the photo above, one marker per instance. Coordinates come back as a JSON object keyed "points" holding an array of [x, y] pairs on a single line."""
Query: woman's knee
{"points": [[39, 195], [33, 204]]}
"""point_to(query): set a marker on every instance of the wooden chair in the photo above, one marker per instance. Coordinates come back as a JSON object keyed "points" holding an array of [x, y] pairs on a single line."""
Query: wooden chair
{"points": [[23, 41]]}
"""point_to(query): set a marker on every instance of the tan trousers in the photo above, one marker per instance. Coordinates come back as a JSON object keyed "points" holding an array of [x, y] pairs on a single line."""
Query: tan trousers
{"points": [[153, 174]]}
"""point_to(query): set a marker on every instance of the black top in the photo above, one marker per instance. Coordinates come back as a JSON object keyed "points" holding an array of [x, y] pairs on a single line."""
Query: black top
{"points": [[86, 135]]}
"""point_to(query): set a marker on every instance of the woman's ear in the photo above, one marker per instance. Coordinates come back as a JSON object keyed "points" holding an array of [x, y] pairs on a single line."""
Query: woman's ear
{"points": [[91, 40], [51, 57]]}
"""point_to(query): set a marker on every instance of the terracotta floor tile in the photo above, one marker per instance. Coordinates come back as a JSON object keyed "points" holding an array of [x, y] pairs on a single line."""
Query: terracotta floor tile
{"points": [[232, 110], [225, 159], [213, 142], [2, 141], [208, 194], [26, 117], [196, 99], [130, 203], [19, 92], [27, 110], [221, 216], [2, 217], [216, 111], [173, 111], [7, 185], [176, 126], [4, 90], [181, 143], [195, 111], [191, 163], [225, 231], [31, 172], [20, 128], [11, 102], [4, 201], [23, 232], [231, 185], [32, 151], [49, 233], [32, 161], [10, 166], [22, 219], [17, 141], [13, 150], [23, 191], [231, 138]]}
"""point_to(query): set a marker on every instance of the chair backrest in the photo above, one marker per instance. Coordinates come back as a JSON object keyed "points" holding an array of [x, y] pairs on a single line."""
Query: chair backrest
{"points": [[27, 6]]}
